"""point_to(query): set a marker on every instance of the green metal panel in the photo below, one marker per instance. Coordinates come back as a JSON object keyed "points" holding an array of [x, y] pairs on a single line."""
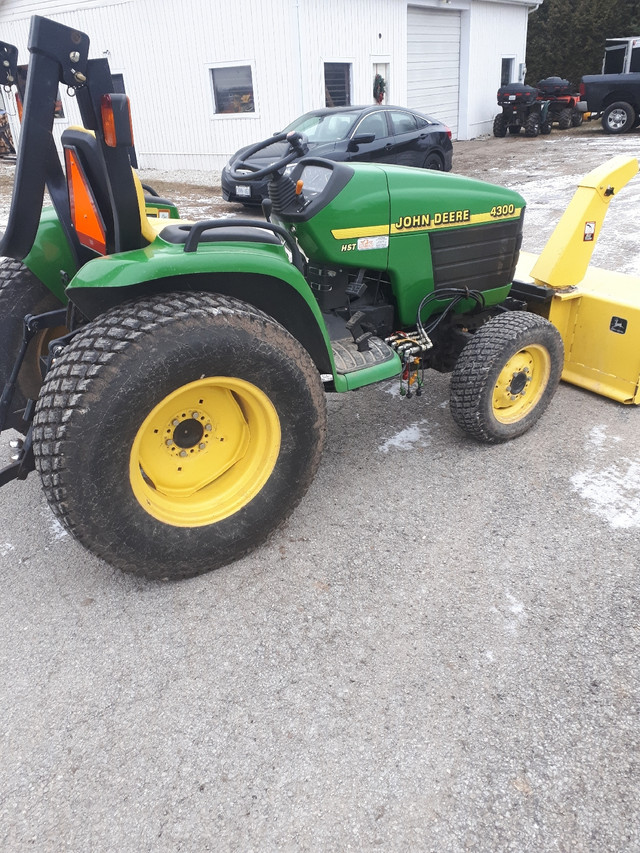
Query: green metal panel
{"points": [[50, 254]]}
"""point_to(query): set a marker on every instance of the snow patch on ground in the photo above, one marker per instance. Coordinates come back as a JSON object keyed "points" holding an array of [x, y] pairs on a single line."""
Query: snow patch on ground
{"points": [[612, 493], [407, 439]]}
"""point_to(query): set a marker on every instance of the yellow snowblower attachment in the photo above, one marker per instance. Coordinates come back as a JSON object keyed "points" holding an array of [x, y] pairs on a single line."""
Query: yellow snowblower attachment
{"points": [[596, 311]]}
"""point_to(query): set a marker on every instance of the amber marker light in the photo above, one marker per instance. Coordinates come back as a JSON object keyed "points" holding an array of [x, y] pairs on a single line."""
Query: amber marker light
{"points": [[117, 128]]}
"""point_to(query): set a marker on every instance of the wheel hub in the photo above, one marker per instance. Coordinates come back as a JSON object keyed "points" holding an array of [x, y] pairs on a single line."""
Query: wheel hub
{"points": [[187, 433], [519, 382]]}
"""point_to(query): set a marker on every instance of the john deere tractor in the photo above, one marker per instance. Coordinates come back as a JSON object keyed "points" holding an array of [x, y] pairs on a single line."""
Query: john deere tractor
{"points": [[167, 378]]}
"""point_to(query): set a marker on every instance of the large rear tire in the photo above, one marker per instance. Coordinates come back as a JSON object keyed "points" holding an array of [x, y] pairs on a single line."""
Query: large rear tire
{"points": [[500, 126], [21, 293], [506, 376], [532, 126], [175, 434]]}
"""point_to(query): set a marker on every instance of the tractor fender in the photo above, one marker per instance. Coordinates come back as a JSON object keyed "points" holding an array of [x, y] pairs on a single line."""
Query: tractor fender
{"points": [[261, 276]]}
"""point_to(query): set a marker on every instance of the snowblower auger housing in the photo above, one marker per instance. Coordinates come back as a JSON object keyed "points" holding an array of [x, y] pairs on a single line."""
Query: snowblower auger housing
{"points": [[169, 377]]}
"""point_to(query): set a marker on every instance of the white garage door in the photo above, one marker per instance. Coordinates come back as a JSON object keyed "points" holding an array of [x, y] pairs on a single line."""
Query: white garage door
{"points": [[433, 63]]}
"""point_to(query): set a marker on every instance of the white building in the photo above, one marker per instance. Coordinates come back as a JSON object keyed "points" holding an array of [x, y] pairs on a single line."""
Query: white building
{"points": [[208, 76]]}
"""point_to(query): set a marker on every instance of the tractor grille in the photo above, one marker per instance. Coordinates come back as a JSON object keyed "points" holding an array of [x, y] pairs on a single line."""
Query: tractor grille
{"points": [[479, 257]]}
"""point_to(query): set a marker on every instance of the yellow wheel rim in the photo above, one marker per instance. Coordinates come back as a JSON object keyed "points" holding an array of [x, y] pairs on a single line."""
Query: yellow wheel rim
{"points": [[521, 384], [204, 451]]}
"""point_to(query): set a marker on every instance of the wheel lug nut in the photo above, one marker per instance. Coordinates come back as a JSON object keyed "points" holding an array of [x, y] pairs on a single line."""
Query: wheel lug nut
{"points": [[202, 446], [208, 427], [195, 415], [183, 453], [169, 442], [175, 422]]}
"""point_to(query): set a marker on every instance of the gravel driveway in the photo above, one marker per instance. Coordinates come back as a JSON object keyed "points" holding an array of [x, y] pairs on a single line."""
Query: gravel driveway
{"points": [[439, 652]]}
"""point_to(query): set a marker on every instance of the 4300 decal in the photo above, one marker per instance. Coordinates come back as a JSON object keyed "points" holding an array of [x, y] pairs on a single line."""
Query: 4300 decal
{"points": [[503, 210]]}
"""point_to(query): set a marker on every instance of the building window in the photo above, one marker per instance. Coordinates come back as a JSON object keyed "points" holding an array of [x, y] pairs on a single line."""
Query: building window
{"points": [[337, 84], [233, 89], [506, 73]]}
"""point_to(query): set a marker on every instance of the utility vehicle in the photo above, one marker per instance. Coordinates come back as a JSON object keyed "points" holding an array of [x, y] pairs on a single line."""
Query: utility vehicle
{"points": [[521, 108], [563, 102], [168, 377]]}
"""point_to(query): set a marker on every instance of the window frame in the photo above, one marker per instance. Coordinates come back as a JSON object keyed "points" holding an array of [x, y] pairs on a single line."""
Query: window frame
{"points": [[236, 63], [511, 59], [349, 64]]}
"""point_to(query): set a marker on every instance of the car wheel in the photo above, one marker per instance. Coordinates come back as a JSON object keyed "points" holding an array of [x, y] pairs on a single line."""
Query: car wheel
{"points": [[434, 161], [618, 117]]}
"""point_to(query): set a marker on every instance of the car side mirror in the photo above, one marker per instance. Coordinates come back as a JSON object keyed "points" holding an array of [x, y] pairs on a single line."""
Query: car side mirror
{"points": [[360, 139]]}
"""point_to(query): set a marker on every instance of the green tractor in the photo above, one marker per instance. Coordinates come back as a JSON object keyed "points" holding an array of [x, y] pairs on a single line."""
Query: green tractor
{"points": [[168, 378]]}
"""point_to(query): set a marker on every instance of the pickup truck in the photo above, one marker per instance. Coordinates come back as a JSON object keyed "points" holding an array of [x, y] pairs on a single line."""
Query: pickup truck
{"points": [[614, 95]]}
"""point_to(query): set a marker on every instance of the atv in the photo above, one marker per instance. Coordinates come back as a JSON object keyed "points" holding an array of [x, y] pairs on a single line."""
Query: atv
{"points": [[562, 100], [521, 108], [167, 378]]}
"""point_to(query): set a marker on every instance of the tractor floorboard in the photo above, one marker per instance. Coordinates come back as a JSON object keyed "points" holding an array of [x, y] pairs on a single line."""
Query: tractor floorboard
{"points": [[349, 360]]}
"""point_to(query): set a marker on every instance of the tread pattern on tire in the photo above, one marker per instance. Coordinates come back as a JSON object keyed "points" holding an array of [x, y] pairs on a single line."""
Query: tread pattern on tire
{"points": [[475, 364], [564, 118], [91, 352]]}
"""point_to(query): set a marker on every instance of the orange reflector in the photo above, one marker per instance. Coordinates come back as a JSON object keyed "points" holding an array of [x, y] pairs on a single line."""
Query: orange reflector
{"points": [[116, 120], [85, 215]]}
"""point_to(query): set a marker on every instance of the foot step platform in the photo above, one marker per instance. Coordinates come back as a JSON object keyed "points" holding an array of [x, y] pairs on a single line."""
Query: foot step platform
{"points": [[348, 359]]}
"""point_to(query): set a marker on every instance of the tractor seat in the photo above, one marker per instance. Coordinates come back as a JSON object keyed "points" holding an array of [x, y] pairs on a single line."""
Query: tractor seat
{"points": [[226, 234]]}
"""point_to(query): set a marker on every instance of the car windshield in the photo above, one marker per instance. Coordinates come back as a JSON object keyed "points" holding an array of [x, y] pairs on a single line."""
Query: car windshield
{"points": [[325, 128]]}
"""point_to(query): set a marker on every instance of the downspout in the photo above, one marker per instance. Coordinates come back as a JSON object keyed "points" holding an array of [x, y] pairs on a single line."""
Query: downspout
{"points": [[300, 84]]}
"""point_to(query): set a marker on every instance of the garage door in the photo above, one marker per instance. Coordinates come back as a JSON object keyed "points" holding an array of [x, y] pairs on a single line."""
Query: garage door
{"points": [[433, 63]]}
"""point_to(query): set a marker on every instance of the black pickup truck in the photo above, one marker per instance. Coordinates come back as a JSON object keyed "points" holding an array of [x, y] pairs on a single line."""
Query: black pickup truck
{"points": [[614, 95]]}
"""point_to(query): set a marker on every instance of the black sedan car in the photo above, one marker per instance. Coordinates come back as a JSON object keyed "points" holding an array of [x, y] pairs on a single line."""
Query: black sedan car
{"points": [[376, 134]]}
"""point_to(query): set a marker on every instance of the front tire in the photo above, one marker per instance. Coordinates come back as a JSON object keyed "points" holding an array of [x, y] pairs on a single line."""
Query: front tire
{"points": [[618, 117], [506, 376], [175, 434], [21, 293]]}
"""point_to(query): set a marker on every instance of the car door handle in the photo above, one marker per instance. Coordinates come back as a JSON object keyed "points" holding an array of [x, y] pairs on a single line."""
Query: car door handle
{"points": [[388, 146]]}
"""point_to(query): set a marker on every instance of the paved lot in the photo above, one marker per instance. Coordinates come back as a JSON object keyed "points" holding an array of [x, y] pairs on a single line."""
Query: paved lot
{"points": [[439, 652]]}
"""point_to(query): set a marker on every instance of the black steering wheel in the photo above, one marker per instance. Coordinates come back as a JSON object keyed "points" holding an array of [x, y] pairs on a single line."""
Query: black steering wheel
{"points": [[298, 148]]}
